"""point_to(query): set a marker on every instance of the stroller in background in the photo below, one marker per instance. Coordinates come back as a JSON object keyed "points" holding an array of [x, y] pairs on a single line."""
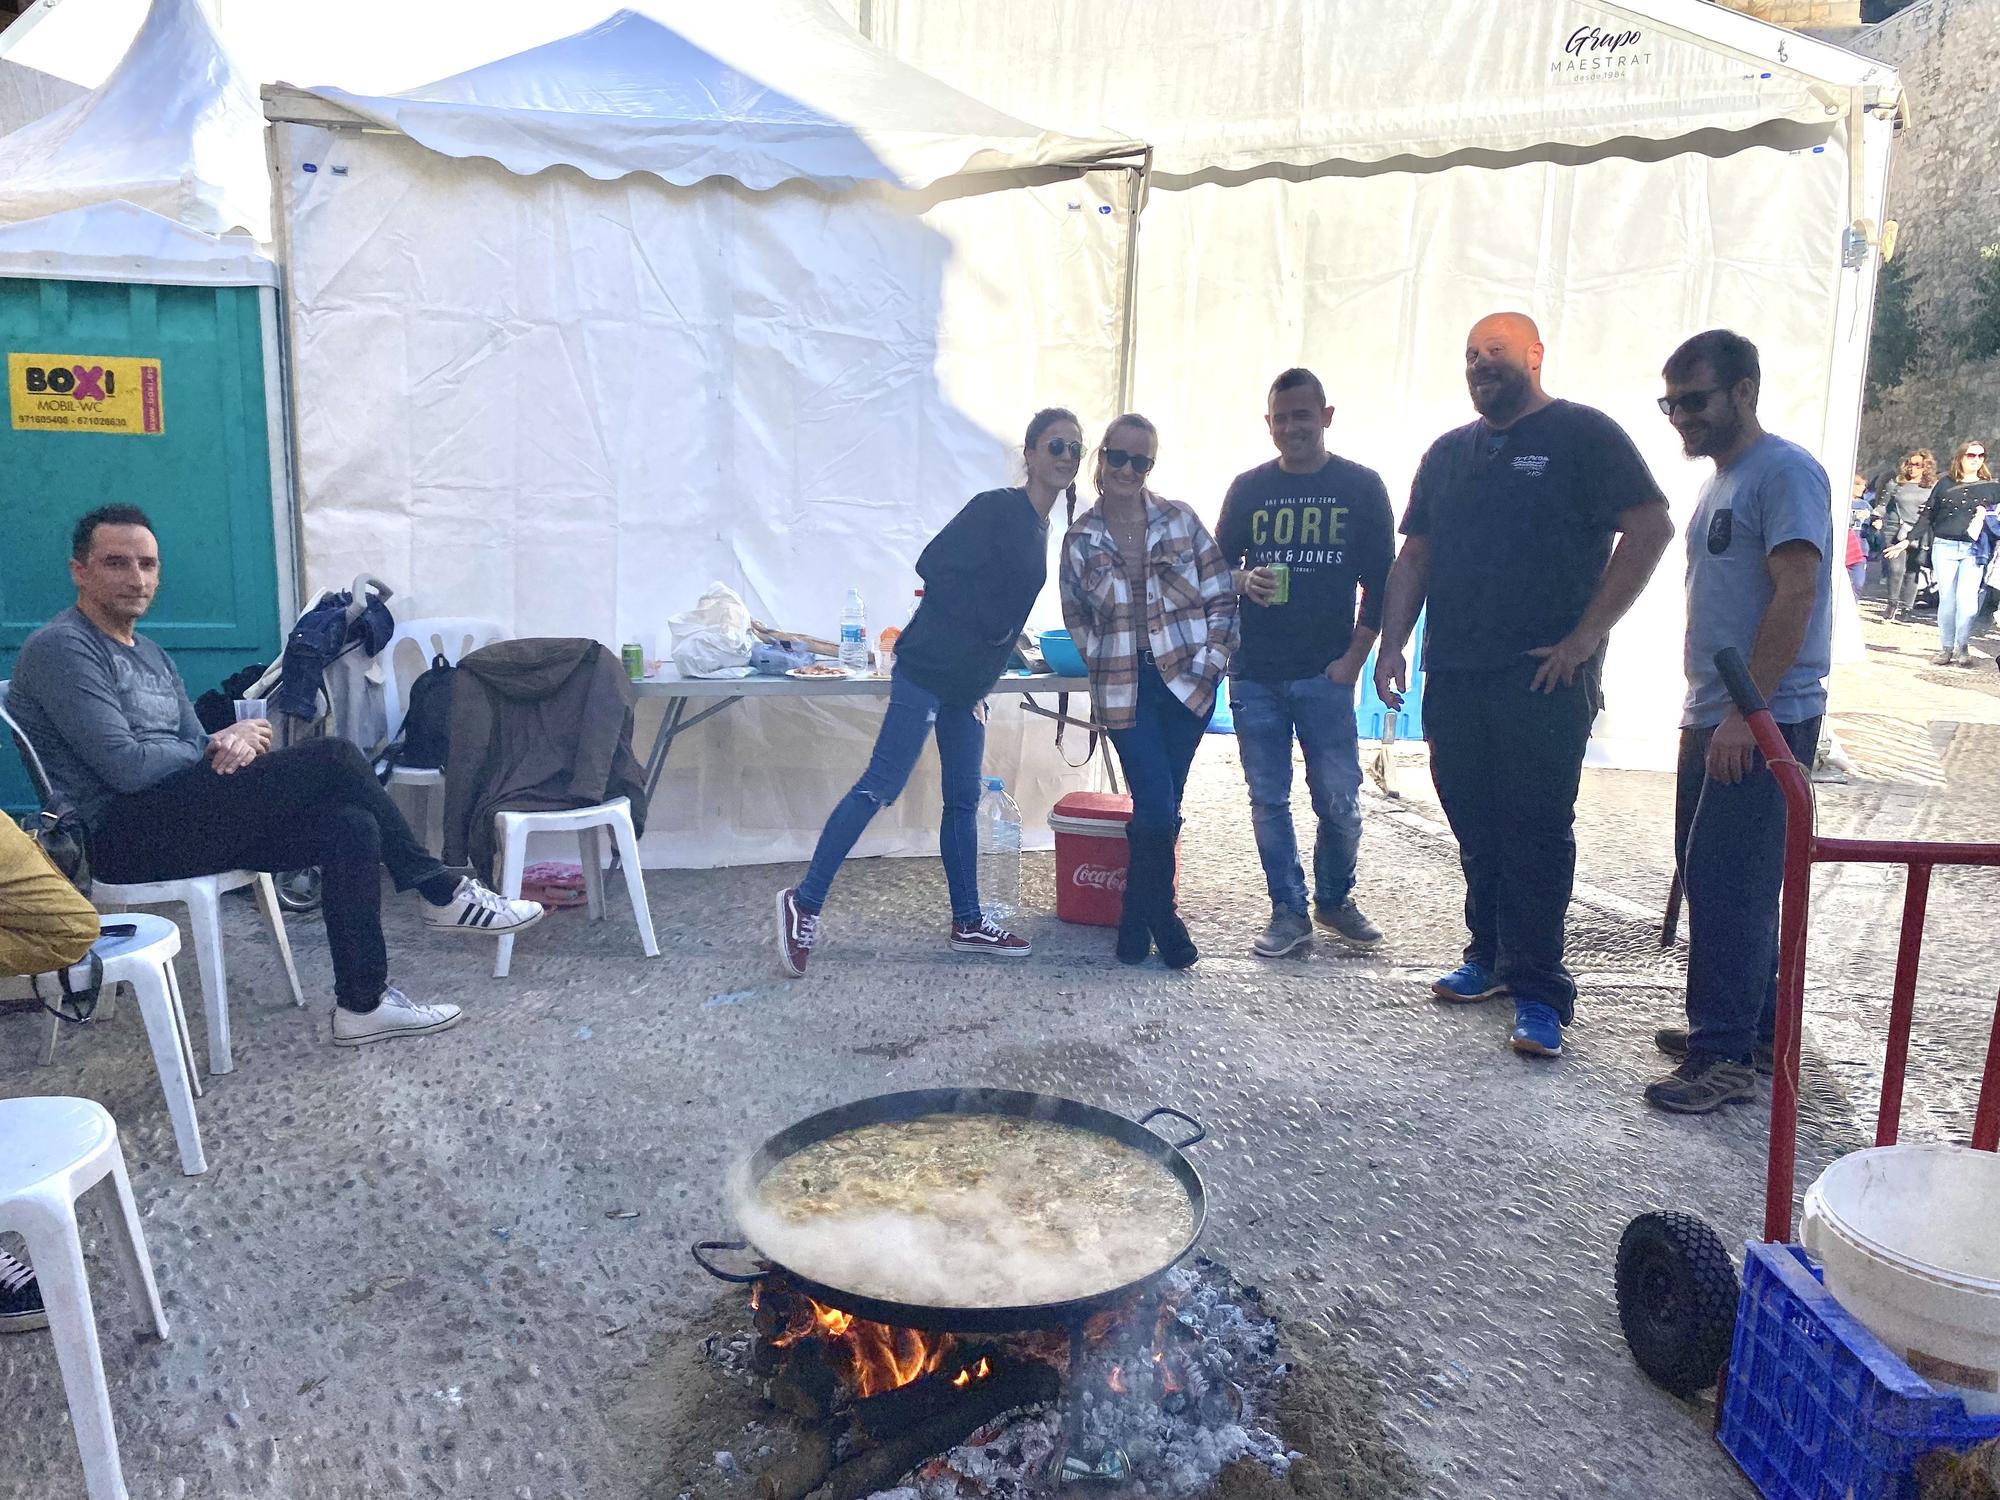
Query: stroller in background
{"points": [[321, 686]]}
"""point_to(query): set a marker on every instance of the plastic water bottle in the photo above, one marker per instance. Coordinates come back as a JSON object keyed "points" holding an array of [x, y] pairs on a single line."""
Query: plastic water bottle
{"points": [[999, 852], [854, 633]]}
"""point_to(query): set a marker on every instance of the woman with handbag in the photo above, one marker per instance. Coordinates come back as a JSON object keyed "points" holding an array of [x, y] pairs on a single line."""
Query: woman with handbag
{"points": [[1151, 603], [981, 576]]}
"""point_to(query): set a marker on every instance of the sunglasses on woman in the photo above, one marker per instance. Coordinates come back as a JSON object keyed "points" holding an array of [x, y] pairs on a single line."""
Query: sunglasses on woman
{"points": [[1057, 448], [1141, 464]]}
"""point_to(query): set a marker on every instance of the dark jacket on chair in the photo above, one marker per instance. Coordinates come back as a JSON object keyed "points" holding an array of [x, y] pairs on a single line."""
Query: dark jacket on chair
{"points": [[537, 725]]}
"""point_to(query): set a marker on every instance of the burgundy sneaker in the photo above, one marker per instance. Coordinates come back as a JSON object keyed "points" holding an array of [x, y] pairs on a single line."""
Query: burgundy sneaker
{"points": [[988, 936], [798, 930]]}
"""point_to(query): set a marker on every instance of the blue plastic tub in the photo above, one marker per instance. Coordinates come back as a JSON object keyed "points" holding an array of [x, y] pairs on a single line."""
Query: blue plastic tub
{"points": [[1816, 1407], [1060, 652]]}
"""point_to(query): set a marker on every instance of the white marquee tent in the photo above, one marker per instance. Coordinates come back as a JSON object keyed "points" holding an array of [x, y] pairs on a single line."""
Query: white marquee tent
{"points": [[1346, 185], [1350, 184], [738, 297]]}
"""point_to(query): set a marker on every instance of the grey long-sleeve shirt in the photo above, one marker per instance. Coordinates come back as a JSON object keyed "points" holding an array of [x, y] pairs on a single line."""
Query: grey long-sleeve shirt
{"points": [[107, 719]]}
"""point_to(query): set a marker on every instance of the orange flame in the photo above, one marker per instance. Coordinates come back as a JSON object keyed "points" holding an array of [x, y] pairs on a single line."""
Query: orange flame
{"points": [[1116, 1380], [873, 1356]]}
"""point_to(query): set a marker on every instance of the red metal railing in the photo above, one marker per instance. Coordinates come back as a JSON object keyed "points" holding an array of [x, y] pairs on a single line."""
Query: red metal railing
{"points": [[1804, 849]]}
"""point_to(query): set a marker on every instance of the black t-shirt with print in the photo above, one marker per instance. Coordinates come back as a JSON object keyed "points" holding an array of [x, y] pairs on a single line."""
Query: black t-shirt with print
{"points": [[1521, 521], [1334, 529]]}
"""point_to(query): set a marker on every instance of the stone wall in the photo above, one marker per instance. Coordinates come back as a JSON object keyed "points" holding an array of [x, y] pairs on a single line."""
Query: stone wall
{"points": [[1944, 194]]}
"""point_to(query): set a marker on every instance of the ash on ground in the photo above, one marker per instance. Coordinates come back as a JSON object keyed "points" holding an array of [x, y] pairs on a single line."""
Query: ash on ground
{"points": [[1249, 1421]]}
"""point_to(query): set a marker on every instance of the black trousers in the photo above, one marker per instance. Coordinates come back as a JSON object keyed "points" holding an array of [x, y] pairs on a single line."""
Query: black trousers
{"points": [[1730, 842], [312, 804], [1899, 577], [1507, 762]]}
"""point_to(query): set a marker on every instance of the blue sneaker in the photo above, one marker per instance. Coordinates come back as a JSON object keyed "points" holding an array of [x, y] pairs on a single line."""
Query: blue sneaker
{"points": [[1468, 983], [1538, 1030]]}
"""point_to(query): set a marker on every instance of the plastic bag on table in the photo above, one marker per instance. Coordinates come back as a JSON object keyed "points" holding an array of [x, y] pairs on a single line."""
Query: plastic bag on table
{"points": [[714, 635]]}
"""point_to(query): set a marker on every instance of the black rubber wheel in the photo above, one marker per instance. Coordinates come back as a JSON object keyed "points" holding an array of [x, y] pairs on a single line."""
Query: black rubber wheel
{"points": [[1677, 1292], [298, 890]]}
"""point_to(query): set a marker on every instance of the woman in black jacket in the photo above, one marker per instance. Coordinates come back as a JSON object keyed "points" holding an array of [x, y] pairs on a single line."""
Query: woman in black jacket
{"points": [[1952, 520], [981, 576]]}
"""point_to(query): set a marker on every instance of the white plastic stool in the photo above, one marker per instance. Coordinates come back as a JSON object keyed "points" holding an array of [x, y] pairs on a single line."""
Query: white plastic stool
{"points": [[51, 1152], [145, 961], [202, 896], [513, 829]]}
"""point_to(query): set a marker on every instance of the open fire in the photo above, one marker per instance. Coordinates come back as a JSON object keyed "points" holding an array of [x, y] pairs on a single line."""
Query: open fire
{"points": [[1166, 1385]]}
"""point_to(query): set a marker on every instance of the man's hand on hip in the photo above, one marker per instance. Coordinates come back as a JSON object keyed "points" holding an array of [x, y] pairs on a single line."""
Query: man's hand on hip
{"points": [[1561, 661], [1346, 670], [232, 748], [1731, 751]]}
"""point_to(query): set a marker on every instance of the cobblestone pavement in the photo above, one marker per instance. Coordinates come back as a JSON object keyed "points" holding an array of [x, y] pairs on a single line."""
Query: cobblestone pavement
{"points": [[400, 1275]]}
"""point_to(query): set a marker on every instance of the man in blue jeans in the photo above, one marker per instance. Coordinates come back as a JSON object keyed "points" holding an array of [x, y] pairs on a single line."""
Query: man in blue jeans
{"points": [[1328, 522], [1760, 579]]}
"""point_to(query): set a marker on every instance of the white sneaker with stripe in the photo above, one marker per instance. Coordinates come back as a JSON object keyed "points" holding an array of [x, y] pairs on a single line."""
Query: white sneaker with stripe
{"points": [[475, 909]]}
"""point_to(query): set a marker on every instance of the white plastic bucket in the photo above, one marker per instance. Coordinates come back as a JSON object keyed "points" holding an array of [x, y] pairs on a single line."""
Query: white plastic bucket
{"points": [[1910, 1239]]}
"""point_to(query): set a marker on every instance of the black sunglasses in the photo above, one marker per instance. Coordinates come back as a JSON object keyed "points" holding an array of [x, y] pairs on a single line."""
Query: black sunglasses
{"points": [[1118, 458], [1057, 448], [1695, 402]]}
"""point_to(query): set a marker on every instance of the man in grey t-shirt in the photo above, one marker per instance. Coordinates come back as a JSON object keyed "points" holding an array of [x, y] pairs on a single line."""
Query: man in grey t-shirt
{"points": [[107, 713], [1760, 579]]}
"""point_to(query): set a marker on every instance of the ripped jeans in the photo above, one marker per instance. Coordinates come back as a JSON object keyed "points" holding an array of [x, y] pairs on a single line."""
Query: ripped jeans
{"points": [[961, 740]]}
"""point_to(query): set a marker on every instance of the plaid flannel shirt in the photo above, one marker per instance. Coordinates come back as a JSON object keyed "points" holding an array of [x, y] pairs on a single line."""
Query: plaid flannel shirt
{"points": [[1190, 610]]}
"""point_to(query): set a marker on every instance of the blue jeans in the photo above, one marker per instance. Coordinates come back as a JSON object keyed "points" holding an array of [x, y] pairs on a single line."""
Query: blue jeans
{"points": [[1730, 842], [914, 712], [1321, 713], [1156, 752], [1957, 579]]}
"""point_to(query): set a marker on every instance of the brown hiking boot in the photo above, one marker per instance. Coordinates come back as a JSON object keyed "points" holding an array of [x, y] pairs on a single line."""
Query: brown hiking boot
{"points": [[1702, 1087], [1673, 1040]]}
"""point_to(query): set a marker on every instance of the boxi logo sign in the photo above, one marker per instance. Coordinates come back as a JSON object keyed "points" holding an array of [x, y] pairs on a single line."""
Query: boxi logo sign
{"points": [[85, 393]]}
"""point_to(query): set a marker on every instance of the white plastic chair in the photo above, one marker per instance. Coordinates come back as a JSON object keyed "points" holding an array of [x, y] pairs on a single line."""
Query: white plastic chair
{"points": [[145, 961], [453, 640], [202, 896], [513, 830], [51, 1151]]}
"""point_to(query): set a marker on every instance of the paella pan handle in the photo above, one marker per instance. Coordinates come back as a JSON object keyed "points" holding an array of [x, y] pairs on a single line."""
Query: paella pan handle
{"points": [[1200, 1130], [740, 1278]]}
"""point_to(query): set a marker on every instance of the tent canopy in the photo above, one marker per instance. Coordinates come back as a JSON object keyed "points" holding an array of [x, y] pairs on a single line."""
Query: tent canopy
{"points": [[125, 243], [629, 95], [174, 127], [1275, 83]]}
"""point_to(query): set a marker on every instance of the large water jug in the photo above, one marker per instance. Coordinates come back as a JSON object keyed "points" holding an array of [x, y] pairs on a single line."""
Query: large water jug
{"points": [[999, 853]]}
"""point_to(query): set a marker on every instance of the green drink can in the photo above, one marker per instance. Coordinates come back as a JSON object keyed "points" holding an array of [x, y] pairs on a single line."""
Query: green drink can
{"points": [[1283, 573], [635, 661]]}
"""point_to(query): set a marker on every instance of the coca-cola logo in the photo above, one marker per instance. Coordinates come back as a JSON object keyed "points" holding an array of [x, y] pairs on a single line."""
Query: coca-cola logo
{"points": [[1096, 878]]}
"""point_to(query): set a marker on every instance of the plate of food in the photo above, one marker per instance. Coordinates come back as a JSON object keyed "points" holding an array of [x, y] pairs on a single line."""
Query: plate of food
{"points": [[818, 672]]}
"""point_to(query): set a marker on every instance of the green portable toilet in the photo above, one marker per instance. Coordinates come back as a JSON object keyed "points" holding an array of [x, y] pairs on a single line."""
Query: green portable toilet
{"points": [[142, 367]]}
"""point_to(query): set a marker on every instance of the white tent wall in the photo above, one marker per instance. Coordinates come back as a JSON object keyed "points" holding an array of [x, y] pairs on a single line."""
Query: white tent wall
{"points": [[569, 405], [26, 94], [1366, 180]]}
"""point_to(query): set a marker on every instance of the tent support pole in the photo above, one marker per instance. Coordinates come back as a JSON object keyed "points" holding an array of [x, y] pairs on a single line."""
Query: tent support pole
{"points": [[1127, 335], [281, 244]]}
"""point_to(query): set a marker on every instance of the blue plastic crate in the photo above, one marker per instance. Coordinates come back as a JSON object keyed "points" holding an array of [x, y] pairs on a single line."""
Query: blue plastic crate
{"points": [[1815, 1406]]}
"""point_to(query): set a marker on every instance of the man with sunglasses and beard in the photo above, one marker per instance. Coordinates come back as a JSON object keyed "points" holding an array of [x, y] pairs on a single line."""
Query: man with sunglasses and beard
{"points": [[1509, 537], [1760, 579]]}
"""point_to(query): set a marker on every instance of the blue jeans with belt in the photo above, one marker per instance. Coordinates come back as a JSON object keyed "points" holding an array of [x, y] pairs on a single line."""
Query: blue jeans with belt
{"points": [[1957, 578], [1321, 713], [914, 713], [1157, 751]]}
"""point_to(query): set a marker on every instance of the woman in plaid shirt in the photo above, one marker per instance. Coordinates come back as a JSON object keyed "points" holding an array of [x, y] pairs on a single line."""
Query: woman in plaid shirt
{"points": [[1149, 599]]}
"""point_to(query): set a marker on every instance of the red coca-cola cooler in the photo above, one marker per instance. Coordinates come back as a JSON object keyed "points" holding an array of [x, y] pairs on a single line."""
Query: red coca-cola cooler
{"points": [[1090, 857]]}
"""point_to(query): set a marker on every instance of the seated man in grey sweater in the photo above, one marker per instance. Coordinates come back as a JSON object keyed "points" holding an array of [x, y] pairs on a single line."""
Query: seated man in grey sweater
{"points": [[111, 719]]}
